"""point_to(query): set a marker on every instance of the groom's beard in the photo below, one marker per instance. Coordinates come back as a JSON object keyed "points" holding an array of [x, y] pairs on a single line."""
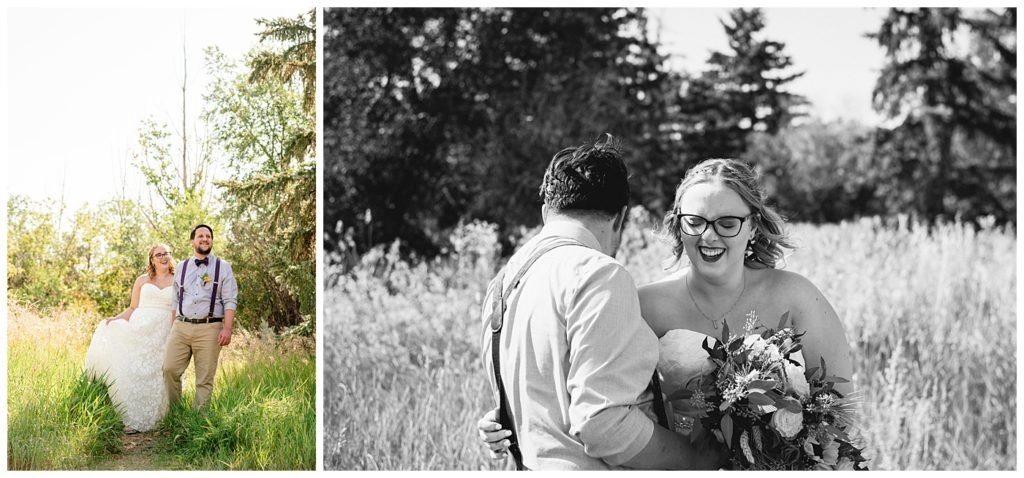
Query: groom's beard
{"points": [[205, 252]]}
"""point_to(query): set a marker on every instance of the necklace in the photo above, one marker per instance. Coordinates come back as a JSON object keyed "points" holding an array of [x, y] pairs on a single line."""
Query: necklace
{"points": [[715, 323]]}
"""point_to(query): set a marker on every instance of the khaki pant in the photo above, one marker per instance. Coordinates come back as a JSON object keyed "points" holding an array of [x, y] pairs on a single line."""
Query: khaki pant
{"points": [[185, 341]]}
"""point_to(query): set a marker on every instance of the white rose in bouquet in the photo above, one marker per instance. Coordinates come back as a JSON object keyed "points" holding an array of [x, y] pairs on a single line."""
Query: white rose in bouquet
{"points": [[796, 381], [787, 423]]}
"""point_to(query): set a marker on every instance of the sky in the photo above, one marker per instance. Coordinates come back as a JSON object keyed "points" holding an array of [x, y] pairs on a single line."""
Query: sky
{"points": [[80, 82], [828, 44]]}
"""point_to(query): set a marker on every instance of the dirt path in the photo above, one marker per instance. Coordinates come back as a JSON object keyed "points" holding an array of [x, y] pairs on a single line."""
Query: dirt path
{"points": [[139, 454]]}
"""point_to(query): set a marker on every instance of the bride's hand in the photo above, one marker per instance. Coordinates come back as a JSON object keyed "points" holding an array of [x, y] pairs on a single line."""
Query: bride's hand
{"points": [[493, 435]]}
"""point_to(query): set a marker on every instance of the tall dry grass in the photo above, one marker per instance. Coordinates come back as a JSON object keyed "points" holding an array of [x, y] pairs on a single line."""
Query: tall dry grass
{"points": [[930, 315]]}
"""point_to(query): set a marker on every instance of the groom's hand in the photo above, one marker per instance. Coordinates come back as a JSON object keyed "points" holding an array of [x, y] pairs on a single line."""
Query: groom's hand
{"points": [[493, 435], [224, 337]]}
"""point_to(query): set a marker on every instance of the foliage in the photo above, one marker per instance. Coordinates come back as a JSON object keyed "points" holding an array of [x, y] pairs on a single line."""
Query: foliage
{"points": [[439, 115], [405, 383], [263, 211], [88, 262], [958, 101], [742, 91], [264, 121], [819, 171], [436, 117]]}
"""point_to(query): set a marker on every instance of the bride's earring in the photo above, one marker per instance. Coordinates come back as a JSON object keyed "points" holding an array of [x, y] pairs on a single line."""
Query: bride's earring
{"points": [[750, 249]]}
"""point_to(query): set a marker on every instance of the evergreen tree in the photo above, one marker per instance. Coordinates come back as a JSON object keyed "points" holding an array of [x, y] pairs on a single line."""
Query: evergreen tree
{"points": [[742, 91], [957, 101], [433, 116]]}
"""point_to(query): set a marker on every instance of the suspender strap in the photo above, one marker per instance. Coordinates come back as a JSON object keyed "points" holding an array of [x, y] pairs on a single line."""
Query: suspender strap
{"points": [[499, 298], [213, 295], [181, 287], [216, 280], [659, 401]]}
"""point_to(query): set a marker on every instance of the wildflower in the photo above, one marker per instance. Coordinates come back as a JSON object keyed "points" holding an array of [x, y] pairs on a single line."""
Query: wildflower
{"points": [[755, 344]]}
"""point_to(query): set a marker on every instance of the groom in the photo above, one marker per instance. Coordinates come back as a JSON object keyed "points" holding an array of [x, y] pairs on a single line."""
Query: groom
{"points": [[574, 355], [206, 294]]}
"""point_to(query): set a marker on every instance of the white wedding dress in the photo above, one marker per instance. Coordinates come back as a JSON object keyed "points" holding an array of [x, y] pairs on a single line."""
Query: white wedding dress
{"points": [[130, 355], [681, 360]]}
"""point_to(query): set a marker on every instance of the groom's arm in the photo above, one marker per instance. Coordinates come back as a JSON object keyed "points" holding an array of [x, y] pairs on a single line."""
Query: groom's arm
{"points": [[229, 297], [667, 450], [612, 355]]}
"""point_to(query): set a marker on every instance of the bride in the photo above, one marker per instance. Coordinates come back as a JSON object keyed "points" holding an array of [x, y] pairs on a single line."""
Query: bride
{"points": [[732, 240], [127, 350]]}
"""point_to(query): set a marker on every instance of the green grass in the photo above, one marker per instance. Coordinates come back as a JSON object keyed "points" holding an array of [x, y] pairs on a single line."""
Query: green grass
{"points": [[58, 419], [930, 316], [261, 415]]}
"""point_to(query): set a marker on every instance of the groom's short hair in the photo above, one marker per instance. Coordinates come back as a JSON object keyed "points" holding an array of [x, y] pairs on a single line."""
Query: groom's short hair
{"points": [[588, 177], [194, 229]]}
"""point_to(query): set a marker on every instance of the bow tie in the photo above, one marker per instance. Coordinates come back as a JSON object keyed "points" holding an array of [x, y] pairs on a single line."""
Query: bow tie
{"points": [[203, 262]]}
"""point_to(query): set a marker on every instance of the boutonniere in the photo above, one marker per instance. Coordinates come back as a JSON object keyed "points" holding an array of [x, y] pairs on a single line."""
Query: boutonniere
{"points": [[206, 278]]}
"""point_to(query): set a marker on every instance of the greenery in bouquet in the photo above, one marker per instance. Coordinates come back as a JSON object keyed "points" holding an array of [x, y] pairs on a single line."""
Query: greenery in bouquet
{"points": [[771, 412]]}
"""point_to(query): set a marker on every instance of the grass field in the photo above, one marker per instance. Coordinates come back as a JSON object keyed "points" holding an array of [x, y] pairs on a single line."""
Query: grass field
{"points": [[931, 318], [261, 416]]}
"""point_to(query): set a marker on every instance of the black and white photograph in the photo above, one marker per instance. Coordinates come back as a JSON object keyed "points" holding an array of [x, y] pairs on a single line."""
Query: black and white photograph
{"points": [[669, 238]]}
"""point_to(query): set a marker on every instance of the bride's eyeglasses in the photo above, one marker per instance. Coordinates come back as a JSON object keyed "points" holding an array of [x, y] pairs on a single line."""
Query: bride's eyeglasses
{"points": [[161, 255], [725, 226]]}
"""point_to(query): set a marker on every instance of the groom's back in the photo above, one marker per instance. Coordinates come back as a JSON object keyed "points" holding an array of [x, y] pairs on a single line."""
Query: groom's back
{"points": [[575, 354]]}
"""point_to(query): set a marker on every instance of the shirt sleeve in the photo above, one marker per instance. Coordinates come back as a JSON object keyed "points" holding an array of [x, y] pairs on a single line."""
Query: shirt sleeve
{"points": [[229, 288], [175, 288], [611, 363]]}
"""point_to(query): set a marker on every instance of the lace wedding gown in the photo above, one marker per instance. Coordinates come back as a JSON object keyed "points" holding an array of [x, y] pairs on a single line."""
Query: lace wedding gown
{"points": [[130, 355]]}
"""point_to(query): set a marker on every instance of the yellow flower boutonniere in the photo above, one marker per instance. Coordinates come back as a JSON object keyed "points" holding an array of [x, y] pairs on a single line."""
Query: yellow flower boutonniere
{"points": [[206, 278]]}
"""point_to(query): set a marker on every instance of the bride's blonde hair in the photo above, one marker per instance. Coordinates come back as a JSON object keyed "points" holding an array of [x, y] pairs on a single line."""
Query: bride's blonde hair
{"points": [[150, 268]]}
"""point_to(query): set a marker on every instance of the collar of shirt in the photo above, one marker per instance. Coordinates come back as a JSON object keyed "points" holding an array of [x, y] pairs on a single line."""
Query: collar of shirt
{"points": [[572, 231], [211, 257]]}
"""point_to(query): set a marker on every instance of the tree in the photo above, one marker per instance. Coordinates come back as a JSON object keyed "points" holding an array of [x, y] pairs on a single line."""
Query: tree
{"points": [[957, 101], [818, 171], [436, 116], [742, 91], [264, 119]]}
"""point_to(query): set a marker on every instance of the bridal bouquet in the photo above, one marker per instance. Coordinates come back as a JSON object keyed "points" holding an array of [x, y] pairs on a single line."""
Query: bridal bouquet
{"points": [[772, 413]]}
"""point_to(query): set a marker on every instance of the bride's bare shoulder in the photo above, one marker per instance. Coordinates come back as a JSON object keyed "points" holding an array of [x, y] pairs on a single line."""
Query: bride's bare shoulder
{"points": [[659, 302], [785, 283], [661, 288]]}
